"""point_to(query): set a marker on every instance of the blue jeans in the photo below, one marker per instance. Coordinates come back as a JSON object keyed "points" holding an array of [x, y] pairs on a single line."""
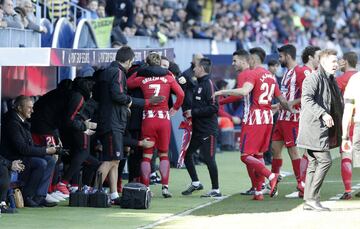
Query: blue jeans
{"points": [[38, 173]]}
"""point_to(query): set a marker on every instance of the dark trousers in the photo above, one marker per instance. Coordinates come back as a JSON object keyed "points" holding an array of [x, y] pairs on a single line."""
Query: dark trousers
{"points": [[37, 175], [4, 182], [134, 158], [208, 148], [78, 157]]}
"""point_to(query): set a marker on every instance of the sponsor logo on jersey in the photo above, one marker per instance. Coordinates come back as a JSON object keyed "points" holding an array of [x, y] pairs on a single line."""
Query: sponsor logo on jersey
{"points": [[199, 90]]}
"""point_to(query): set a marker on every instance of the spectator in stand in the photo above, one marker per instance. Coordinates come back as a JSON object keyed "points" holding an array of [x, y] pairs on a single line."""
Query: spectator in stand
{"points": [[3, 23], [101, 9], [28, 24], [122, 10], [93, 6], [39, 162], [5, 167], [149, 27], [12, 19], [193, 10], [29, 16]]}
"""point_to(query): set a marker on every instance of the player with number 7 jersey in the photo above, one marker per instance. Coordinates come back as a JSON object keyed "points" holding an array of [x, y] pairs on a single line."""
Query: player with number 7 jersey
{"points": [[156, 126]]}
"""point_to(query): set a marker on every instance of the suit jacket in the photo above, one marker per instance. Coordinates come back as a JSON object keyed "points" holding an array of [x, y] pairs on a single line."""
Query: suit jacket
{"points": [[16, 141]]}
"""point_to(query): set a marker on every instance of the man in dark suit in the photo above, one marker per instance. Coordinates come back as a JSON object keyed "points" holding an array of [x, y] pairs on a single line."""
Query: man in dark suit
{"points": [[17, 143]]}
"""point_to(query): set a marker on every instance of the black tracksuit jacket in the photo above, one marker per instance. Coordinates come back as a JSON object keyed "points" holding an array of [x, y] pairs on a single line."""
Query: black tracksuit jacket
{"points": [[204, 109]]}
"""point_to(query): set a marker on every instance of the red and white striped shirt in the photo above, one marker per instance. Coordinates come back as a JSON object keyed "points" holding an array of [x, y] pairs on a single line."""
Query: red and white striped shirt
{"points": [[291, 89], [257, 110]]}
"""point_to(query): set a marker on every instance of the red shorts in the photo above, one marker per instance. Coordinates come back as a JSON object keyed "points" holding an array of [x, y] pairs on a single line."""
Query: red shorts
{"points": [[43, 140], [287, 132], [157, 130], [255, 138]]}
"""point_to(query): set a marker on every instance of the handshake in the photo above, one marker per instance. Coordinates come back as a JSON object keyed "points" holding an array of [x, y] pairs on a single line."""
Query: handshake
{"points": [[90, 127]]}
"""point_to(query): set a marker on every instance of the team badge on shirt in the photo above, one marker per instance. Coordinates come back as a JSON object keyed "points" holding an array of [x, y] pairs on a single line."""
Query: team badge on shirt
{"points": [[307, 73], [199, 90]]}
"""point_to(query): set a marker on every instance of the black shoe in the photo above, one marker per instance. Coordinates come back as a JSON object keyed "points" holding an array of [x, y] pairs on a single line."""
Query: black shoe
{"points": [[116, 201], [212, 194], [192, 188], [249, 192], [43, 203], [346, 196], [6, 210], [29, 202]]}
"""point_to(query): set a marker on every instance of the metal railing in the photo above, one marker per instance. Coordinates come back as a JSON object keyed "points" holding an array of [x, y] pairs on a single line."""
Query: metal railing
{"points": [[11, 37]]}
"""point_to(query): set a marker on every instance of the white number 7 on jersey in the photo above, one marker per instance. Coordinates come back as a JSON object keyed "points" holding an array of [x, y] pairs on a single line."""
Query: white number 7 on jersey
{"points": [[156, 88], [266, 96]]}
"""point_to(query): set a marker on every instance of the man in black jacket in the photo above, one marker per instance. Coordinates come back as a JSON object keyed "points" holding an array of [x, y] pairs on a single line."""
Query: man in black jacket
{"points": [[17, 144], [203, 111], [5, 167]]}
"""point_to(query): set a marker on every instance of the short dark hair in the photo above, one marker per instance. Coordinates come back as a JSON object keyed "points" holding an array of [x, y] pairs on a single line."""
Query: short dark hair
{"points": [[309, 51], [20, 101], [259, 52], [174, 69], [242, 53], [206, 64], [288, 49], [124, 54], [351, 58], [273, 62]]}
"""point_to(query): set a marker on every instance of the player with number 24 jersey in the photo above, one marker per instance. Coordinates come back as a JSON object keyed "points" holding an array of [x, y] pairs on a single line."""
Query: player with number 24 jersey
{"points": [[258, 117]]}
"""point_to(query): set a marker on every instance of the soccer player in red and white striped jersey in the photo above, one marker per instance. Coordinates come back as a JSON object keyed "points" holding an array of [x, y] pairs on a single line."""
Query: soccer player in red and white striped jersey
{"points": [[287, 125], [156, 126], [258, 91], [348, 67]]}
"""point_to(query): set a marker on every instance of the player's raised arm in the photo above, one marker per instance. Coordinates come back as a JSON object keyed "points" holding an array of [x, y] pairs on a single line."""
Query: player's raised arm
{"points": [[245, 90]]}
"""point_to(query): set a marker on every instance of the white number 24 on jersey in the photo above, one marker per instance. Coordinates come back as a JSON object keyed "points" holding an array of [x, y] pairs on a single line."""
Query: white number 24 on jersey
{"points": [[156, 88], [266, 96]]}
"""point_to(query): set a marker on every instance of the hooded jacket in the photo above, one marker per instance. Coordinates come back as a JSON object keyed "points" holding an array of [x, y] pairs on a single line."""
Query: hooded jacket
{"points": [[111, 94]]}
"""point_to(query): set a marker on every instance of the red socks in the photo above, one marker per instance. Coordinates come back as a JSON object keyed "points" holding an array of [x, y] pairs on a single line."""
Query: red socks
{"points": [[164, 169], [346, 173], [256, 164], [276, 165], [145, 171], [296, 169], [251, 173]]}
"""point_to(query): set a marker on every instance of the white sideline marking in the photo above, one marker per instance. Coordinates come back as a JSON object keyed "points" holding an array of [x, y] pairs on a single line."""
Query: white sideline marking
{"points": [[184, 213]]}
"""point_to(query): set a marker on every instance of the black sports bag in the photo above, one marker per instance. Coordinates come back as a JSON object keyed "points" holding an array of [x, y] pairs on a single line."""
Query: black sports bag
{"points": [[135, 196]]}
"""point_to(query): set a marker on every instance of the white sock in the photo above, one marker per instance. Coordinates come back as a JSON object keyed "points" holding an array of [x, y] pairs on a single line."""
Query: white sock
{"points": [[216, 190], [114, 195], [272, 176], [153, 174], [2, 203], [165, 186], [195, 183]]}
